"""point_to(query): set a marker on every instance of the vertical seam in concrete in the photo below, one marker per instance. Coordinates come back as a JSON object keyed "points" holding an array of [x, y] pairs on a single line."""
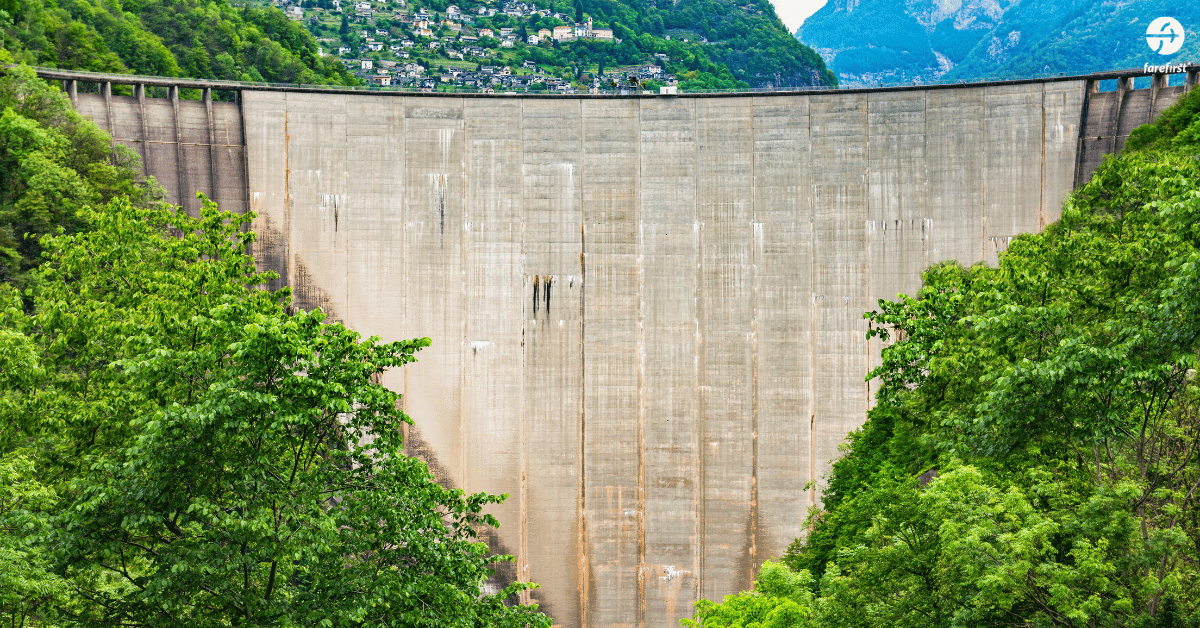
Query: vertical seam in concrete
{"points": [[641, 424], [983, 167], [698, 340], [1042, 181], [1080, 146], [926, 227], [241, 102], [582, 507], [73, 92], [140, 91], [524, 531], [755, 240], [346, 302], [112, 130], [1154, 87], [812, 320], [867, 234], [444, 178], [180, 168], [287, 193], [1118, 110], [212, 155]]}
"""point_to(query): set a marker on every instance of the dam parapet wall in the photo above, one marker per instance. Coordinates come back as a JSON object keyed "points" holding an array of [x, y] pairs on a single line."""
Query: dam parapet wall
{"points": [[646, 311]]}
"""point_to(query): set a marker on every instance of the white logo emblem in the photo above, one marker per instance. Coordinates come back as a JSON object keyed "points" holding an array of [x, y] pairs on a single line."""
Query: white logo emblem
{"points": [[1165, 35]]}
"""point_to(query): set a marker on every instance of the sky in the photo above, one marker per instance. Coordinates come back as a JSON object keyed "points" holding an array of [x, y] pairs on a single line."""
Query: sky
{"points": [[794, 12]]}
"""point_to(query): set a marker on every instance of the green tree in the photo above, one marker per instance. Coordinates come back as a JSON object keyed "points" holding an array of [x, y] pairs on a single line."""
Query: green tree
{"points": [[1055, 399], [52, 163], [219, 460], [781, 598]]}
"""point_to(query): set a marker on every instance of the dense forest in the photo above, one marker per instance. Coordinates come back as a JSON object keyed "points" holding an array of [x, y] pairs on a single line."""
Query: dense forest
{"points": [[179, 446], [186, 38], [1033, 456]]}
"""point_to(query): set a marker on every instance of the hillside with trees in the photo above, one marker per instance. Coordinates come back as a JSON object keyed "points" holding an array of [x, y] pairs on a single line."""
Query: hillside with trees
{"points": [[1033, 456], [693, 44], [185, 38], [562, 45]]}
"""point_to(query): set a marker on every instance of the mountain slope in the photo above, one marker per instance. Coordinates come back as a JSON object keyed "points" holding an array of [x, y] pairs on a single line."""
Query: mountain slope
{"points": [[189, 38], [704, 44], [893, 41]]}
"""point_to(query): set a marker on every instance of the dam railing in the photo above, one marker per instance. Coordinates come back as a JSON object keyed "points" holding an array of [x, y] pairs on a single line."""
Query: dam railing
{"points": [[1189, 75]]}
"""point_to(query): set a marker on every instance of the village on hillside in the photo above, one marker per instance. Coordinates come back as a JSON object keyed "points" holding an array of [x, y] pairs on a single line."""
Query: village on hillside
{"points": [[489, 46]]}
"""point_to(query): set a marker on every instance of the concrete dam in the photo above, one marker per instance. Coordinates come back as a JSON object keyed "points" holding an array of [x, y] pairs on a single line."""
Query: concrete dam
{"points": [[646, 311]]}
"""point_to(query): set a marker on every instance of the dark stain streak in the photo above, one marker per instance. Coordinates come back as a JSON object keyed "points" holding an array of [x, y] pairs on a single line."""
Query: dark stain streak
{"points": [[335, 215], [548, 282], [441, 191], [307, 295], [270, 252], [536, 280]]}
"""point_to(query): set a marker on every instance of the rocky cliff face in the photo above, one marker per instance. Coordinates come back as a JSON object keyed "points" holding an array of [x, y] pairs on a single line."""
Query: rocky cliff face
{"points": [[901, 41]]}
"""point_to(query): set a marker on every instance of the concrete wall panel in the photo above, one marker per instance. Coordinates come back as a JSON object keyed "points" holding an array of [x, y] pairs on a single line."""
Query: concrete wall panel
{"points": [[781, 298], [668, 240]]}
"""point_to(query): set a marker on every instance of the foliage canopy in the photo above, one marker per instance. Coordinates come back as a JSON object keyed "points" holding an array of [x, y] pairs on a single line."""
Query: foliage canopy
{"points": [[180, 448]]}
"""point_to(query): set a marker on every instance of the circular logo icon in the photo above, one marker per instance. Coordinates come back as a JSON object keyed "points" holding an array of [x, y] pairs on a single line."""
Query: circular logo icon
{"points": [[1165, 35]]}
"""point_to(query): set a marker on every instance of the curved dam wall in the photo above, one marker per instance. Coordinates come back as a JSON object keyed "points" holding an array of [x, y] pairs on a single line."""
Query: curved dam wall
{"points": [[646, 312]]}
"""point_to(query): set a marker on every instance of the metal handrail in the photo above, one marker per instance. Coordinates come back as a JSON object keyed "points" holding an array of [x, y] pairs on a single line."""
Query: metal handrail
{"points": [[189, 83]]}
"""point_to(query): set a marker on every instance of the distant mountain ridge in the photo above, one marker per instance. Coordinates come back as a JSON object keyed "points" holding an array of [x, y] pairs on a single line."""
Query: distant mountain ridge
{"points": [[923, 41]]}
